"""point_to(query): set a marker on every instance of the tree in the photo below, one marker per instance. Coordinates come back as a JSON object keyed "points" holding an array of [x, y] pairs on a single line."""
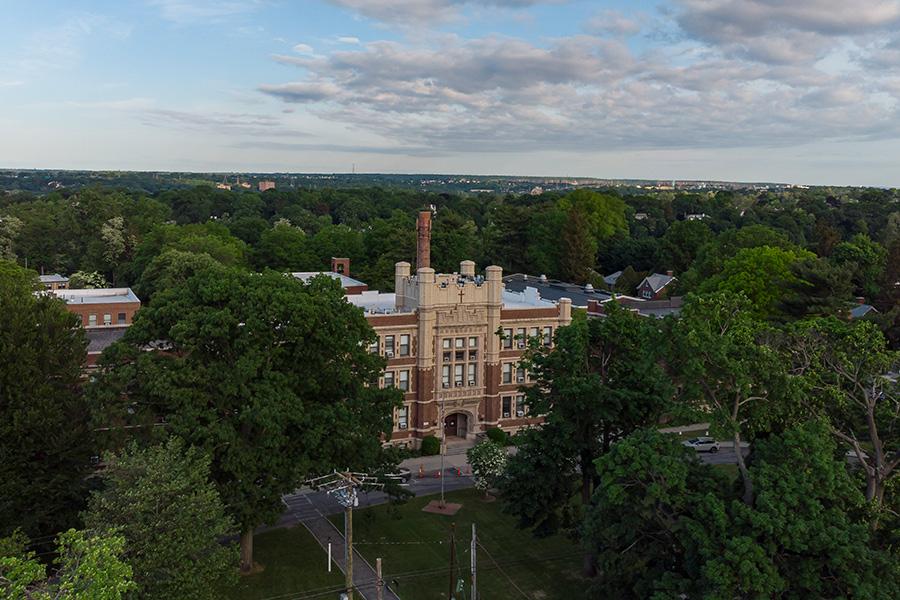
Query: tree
{"points": [[681, 243], [90, 281], [161, 501], [170, 269], [454, 238], [45, 441], [845, 367], [90, 568], [488, 460], [761, 274], [578, 249], [656, 511], [603, 213], [867, 260], [723, 365], [9, 230], [817, 288], [600, 381], [269, 375]]}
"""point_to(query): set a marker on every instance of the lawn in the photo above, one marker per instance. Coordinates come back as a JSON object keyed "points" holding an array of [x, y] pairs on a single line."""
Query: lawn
{"points": [[415, 552], [293, 562]]}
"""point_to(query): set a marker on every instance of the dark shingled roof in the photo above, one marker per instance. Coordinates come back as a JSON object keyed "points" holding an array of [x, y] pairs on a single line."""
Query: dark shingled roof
{"points": [[101, 338]]}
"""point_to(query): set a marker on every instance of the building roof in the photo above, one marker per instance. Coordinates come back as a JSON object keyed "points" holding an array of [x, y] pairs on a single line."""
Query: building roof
{"points": [[54, 278], [100, 338], [97, 296], [612, 278], [861, 310], [374, 302], [528, 298], [346, 282], [657, 281], [553, 290]]}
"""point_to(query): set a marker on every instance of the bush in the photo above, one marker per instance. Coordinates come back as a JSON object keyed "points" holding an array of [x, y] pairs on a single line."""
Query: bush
{"points": [[430, 446], [498, 436]]}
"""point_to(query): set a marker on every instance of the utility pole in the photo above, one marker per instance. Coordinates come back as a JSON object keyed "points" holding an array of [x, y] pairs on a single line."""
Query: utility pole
{"points": [[348, 548], [472, 554], [344, 486], [379, 582], [452, 560]]}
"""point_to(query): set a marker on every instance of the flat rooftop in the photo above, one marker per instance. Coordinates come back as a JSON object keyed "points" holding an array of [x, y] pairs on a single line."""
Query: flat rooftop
{"points": [[346, 282], [553, 290], [527, 298], [97, 296], [54, 278], [375, 303]]}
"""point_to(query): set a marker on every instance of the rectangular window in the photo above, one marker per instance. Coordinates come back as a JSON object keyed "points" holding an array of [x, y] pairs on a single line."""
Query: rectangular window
{"points": [[533, 332], [446, 343], [404, 381], [520, 405], [473, 342], [507, 372], [374, 347], [388, 345], [473, 373], [507, 406], [107, 319], [507, 338], [460, 342], [404, 344], [460, 355], [403, 417], [520, 337], [458, 375], [520, 374], [92, 320], [121, 318], [445, 376], [389, 379], [548, 336], [448, 356]]}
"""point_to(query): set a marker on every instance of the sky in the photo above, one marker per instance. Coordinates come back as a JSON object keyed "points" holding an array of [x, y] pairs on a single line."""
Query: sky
{"points": [[805, 91]]}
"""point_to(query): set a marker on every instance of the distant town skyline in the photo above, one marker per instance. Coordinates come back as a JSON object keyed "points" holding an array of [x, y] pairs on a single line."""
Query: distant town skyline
{"points": [[803, 92]]}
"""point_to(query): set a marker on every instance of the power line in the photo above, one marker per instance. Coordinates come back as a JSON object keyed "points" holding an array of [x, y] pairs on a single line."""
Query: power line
{"points": [[508, 578]]}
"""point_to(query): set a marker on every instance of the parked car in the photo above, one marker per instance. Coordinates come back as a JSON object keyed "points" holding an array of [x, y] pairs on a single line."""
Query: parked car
{"points": [[702, 444]]}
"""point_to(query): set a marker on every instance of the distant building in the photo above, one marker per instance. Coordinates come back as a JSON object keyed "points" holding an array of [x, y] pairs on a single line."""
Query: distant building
{"points": [[612, 278], [536, 190], [266, 185], [696, 217], [656, 286], [646, 308], [105, 314], [861, 309], [223, 186], [54, 281], [641, 216], [340, 270]]}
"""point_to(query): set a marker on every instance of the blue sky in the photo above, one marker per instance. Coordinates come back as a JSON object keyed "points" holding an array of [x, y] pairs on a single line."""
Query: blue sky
{"points": [[804, 91]]}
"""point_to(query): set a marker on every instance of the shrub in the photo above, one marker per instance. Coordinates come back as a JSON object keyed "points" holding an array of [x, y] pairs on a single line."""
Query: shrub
{"points": [[430, 446], [498, 436]]}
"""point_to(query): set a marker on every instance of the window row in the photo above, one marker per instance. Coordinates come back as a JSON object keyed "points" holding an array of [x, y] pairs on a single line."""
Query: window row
{"points": [[121, 319], [522, 335], [397, 379], [392, 345], [459, 375], [513, 405], [509, 369]]}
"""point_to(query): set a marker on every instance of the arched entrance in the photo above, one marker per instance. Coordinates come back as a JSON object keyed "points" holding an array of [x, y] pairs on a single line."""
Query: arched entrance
{"points": [[456, 425]]}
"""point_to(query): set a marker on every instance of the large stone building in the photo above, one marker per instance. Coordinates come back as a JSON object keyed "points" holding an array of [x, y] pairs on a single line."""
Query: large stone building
{"points": [[453, 343]]}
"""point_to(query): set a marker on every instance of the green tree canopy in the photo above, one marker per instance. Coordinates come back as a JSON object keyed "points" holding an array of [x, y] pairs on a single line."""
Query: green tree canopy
{"points": [[269, 375], [161, 500], [45, 441]]}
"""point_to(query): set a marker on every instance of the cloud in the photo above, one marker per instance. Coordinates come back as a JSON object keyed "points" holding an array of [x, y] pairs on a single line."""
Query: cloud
{"points": [[349, 40], [243, 124], [303, 49], [183, 12], [613, 22], [772, 31], [424, 11], [581, 93]]}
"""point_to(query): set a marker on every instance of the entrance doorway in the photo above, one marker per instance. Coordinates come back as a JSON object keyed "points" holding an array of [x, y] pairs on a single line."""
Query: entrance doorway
{"points": [[456, 426]]}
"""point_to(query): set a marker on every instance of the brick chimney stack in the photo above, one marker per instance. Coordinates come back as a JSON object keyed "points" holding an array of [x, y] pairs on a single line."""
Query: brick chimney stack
{"points": [[423, 247]]}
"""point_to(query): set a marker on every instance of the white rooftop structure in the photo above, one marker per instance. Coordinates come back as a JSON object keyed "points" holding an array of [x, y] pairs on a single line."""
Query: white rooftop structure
{"points": [[346, 282], [97, 296], [374, 302], [528, 298], [54, 278]]}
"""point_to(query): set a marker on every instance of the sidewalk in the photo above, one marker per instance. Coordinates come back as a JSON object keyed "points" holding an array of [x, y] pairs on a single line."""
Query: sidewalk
{"points": [[363, 573]]}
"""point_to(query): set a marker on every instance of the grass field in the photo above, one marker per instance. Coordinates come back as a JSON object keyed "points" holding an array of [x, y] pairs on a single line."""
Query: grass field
{"points": [[415, 552], [293, 562]]}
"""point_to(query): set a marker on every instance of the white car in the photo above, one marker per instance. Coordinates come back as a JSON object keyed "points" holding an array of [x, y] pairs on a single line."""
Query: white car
{"points": [[702, 444]]}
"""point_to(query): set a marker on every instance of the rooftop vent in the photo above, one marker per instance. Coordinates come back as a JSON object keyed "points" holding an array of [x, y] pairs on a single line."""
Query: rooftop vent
{"points": [[543, 278], [588, 289]]}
